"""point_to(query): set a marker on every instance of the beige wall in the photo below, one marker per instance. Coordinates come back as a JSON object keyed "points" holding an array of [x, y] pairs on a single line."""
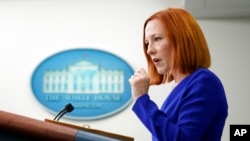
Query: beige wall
{"points": [[30, 31]]}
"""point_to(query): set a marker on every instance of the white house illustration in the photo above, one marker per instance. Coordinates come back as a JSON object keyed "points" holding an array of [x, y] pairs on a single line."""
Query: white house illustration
{"points": [[83, 78]]}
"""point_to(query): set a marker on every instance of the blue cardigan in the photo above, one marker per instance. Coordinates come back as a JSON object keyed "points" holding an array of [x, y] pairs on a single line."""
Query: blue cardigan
{"points": [[196, 110]]}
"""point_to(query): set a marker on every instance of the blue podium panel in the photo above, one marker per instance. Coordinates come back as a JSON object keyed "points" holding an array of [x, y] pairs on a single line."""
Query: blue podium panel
{"points": [[87, 136]]}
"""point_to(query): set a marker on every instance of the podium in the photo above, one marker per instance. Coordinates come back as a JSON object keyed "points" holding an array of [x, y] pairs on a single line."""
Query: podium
{"points": [[15, 127]]}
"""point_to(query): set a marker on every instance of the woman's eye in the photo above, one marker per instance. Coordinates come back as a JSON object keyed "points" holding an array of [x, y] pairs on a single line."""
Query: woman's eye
{"points": [[157, 38]]}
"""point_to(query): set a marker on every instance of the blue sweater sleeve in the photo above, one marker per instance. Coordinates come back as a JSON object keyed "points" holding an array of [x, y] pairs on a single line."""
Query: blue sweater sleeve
{"points": [[198, 108], [154, 119]]}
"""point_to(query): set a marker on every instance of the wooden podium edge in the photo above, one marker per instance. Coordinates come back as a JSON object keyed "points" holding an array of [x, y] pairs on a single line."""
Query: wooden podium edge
{"points": [[17, 124], [100, 132]]}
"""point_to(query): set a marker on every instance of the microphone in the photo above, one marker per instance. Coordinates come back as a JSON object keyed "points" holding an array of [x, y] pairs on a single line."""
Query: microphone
{"points": [[68, 108]]}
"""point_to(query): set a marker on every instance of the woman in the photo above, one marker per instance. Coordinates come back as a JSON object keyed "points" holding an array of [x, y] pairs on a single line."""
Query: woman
{"points": [[176, 50]]}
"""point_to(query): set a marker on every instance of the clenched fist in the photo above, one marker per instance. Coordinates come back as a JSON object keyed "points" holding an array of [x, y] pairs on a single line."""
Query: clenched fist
{"points": [[139, 83]]}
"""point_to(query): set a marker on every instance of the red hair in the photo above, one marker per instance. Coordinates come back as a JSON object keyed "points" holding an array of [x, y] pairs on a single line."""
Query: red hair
{"points": [[188, 44]]}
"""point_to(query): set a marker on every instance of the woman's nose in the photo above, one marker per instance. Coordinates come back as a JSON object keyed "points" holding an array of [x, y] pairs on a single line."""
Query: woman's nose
{"points": [[151, 50]]}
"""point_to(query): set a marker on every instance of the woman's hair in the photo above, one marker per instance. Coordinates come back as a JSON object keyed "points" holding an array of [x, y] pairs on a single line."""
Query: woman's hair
{"points": [[188, 44]]}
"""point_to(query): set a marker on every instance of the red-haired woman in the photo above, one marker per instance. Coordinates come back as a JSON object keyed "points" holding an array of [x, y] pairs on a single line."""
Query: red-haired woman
{"points": [[176, 50]]}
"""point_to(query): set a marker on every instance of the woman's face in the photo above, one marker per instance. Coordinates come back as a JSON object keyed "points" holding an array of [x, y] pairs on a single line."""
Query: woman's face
{"points": [[158, 47]]}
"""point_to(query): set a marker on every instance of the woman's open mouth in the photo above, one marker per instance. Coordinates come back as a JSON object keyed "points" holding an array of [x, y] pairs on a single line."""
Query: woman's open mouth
{"points": [[156, 61]]}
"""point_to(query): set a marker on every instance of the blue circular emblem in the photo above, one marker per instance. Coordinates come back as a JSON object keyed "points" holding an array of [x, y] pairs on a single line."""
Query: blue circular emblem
{"points": [[95, 82]]}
